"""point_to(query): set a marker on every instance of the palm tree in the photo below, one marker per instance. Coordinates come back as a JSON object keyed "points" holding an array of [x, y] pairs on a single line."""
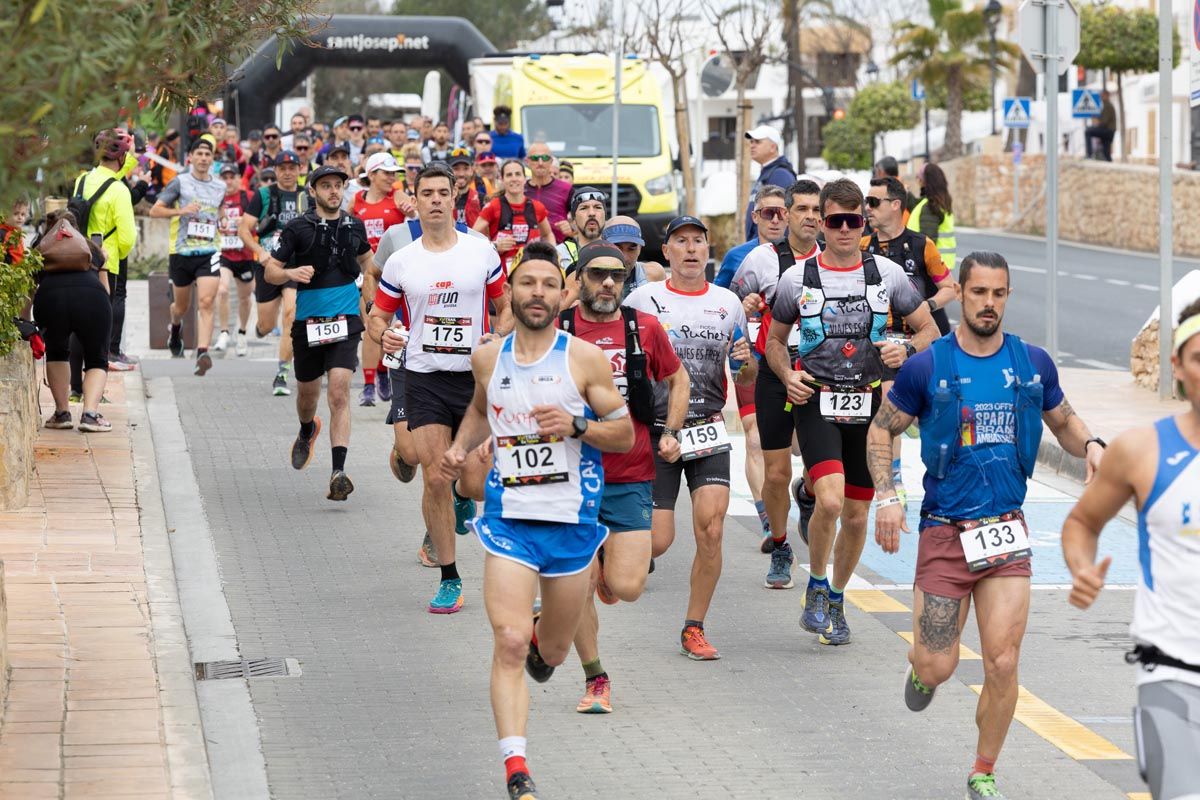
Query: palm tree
{"points": [[954, 51]]}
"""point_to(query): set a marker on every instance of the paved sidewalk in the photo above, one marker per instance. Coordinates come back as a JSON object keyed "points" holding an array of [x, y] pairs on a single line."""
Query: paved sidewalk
{"points": [[101, 703]]}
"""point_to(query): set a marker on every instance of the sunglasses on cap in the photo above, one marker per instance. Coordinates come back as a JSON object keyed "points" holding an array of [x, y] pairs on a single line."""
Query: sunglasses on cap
{"points": [[601, 274], [591, 194], [545, 157], [835, 222], [772, 213]]}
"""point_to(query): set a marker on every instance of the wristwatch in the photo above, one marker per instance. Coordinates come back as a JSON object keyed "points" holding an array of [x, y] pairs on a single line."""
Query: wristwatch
{"points": [[1103, 444], [672, 432], [909, 350], [933, 306], [581, 425]]}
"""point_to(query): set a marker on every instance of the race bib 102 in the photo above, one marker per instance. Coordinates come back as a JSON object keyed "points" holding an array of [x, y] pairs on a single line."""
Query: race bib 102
{"points": [[531, 460]]}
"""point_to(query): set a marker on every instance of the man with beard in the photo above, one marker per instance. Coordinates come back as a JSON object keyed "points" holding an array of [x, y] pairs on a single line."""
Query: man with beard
{"points": [[328, 250], [639, 352], [588, 207], [548, 404], [981, 396]]}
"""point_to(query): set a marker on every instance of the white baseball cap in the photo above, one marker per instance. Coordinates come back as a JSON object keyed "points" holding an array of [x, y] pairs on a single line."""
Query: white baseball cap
{"points": [[766, 132], [382, 161]]}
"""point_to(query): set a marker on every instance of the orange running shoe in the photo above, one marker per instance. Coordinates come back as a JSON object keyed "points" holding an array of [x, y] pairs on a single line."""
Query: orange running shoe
{"points": [[693, 645], [597, 699]]}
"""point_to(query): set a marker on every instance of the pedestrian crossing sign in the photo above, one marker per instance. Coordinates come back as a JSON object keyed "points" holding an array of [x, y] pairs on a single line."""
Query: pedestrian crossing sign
{"points": [[1016, 112], [1085, 103]]}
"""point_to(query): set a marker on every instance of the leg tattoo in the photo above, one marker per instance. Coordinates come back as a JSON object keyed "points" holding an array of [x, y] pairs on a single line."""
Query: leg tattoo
{"points": [[939, 623]]}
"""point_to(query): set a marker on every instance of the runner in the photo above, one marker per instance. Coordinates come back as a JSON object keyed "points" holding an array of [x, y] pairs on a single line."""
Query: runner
{"points": [[1162, 479], [918, 256], [237, 261], [705, 324], [539, 527], [328, 249], [639, 353], [379, 209], [511, 219], [979, 440], [271, 208], [841, 298], [626, 234], [770, 216], [588, 210], [545, 187], [467, 198], [755, 281], [193, 201], [441, 284]]}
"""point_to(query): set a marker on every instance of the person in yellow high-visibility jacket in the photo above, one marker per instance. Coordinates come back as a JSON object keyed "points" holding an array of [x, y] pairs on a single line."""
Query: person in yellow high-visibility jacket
{"points": [[933, 215]]}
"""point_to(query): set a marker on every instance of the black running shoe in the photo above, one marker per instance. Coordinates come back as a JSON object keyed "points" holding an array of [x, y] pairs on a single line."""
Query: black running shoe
{"points": [[538, 669], [340, 486], [175, 341], [806, 504], [520, 787], [302, 449]]}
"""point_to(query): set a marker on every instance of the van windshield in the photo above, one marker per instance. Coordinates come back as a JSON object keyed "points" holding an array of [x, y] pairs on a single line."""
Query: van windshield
{"points": [[584, 130]]}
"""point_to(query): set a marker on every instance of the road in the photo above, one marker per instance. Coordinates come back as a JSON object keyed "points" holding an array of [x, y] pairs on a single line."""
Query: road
{"points": [[1104, 296], [392, 702]]}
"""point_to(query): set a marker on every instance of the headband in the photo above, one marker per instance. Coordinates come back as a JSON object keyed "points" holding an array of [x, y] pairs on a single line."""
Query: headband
{"points": [[519, 258], [1186, 330]]}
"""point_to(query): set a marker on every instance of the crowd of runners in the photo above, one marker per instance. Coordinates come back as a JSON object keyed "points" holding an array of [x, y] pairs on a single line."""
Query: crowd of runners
{"points": [[538, 362]]}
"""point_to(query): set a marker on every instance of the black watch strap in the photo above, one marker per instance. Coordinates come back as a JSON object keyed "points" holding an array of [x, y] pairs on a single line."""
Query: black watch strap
{"points": [[1103, 444]]}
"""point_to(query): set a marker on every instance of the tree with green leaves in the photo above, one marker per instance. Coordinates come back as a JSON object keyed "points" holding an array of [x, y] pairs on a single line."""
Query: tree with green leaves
{"points": [[955, 52], [1122, 40], [504, 22], [74, 68], [847, 144], [881, 107]]}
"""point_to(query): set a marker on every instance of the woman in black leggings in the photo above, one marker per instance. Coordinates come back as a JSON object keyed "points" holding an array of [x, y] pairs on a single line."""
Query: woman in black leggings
{"points": [[76, 303]]}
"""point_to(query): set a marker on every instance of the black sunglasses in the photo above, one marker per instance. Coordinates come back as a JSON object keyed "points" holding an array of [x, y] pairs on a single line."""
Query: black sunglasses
{"points": [[835, 222], [270, 136], [356, 127], [600, 274], [876, 202]]}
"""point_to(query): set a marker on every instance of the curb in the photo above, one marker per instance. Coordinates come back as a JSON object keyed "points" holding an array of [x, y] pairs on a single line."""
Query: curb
{"points": [[187, 753], [1062, 463]]}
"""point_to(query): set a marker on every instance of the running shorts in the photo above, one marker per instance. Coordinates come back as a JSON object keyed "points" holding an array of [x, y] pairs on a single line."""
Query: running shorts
{"points": [[242, 270], [311, 362], [834, 447], [942, 566], [627, 506], [266, 292], [551, 549], [1166, 726], [184, 270], [438, 398], [398, 412], [745, 399], [775, 423], [708, 471]]}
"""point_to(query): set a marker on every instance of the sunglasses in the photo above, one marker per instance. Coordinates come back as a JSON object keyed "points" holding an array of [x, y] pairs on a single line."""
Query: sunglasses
{"points": [[301, 148], [835, 222], [269, 136], [413, 167], [483, 140], [876, 202], [773, 213], [546, 158], [268, 181], [356, 127], [600, 274]]}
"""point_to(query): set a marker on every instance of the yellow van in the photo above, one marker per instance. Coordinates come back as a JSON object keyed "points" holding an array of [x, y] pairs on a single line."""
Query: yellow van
{"points": [[566, 101]]}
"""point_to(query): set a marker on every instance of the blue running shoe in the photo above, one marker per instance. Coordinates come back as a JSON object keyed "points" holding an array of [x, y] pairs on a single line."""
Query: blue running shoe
{"points": [[448, 599], [779, 576], [383, 385], [464, 509], [815, 618], [839, 631]]}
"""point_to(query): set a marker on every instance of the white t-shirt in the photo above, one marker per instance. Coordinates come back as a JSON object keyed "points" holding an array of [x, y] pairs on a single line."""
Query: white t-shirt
{"points": [[442, 298]]}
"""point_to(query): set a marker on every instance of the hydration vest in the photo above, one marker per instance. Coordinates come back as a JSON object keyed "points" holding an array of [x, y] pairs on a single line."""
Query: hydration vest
{"points": [[941, 432], [506, 218], [855, 350], [639, 387]]}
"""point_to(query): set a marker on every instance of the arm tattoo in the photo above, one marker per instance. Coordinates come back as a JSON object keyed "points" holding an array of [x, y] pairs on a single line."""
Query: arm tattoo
{"points": [[1066, 410], [891, 419], [938, 624], [879, 462]]}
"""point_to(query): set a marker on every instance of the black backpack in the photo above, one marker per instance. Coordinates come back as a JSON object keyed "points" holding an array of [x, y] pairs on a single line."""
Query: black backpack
{"points": [[640, 397], [506, 214], [81, 207]]}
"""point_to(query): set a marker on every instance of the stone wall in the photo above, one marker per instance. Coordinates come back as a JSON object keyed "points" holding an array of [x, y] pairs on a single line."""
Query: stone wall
{"points": [[1113, 205], [18, 425]]}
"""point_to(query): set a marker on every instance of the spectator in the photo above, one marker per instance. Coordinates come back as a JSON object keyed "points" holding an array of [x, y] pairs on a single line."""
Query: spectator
{"points": [[485, 170], [775, 170], [439, 149], [74, 303], [933, 215], [512, 220], [506, 143], [1103, 131], [297, 124], [566, 172], [548, 190], [160, 174]]}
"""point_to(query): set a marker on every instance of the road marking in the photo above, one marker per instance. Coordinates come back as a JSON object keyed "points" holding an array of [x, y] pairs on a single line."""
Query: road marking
{"points": [[964, 652], [1139, 796], [1068, 735], [1117, 282], [1022, 268], [1091, 362], [1086, 278], [1146, 287], [874, 601]]}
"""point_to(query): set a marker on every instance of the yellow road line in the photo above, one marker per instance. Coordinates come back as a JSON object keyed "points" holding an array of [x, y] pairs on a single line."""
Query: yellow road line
{"points": [[1138, 796], [873, 601], [964, 652], [1073, 738]]}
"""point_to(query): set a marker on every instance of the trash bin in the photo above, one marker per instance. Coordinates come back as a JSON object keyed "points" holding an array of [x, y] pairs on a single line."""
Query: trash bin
{"points": [[160, 313]]}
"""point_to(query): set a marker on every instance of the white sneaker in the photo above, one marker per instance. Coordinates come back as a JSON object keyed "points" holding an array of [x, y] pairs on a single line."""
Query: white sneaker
{"points": [[222, 342], [241, 346]]}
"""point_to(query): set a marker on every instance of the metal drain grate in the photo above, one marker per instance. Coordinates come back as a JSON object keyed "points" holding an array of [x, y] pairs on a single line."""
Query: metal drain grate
{"points": [[247, 668]]}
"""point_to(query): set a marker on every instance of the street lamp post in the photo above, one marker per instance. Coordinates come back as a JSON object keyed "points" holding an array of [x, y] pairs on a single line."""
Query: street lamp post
{"points": [[991, 14], [872, 74]]}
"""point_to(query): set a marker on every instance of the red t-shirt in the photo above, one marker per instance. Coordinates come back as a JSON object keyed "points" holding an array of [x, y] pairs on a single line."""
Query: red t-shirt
{"points": [[232, 248], [523, 230], [377, 217], [661, 361]]}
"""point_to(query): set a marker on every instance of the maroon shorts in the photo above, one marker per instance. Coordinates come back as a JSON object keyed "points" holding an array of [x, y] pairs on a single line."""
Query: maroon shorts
{"points": [[942, 567], [745, 399]]}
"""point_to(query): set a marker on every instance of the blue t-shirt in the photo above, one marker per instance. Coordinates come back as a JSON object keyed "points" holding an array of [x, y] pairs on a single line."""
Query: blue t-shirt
{"points": [[732, 260], [508, 145], [988, 449]]}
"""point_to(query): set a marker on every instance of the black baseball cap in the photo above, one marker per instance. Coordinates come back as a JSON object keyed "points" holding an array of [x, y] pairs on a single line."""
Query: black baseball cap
{"points": [[323, 171], [356, 118], [228, 166], [338, 147], [286, 157], [686, 221]]}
